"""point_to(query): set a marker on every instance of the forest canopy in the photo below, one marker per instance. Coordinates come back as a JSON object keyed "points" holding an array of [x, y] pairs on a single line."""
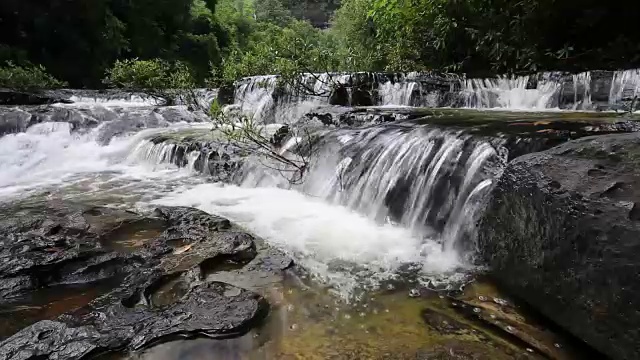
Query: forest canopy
{"points": [[78, 41]]}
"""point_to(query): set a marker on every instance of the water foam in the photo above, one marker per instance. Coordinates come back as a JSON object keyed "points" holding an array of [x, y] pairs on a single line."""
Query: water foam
{"points": [[337, 245]]}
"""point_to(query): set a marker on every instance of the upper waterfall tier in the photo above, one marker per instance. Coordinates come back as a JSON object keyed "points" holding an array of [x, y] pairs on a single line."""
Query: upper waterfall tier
{"points": [[269, 101]]}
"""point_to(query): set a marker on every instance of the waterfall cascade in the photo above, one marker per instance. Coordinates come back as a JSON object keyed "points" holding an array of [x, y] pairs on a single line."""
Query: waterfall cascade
{"points": [[429, 180], [592, 90], [378, 196]]}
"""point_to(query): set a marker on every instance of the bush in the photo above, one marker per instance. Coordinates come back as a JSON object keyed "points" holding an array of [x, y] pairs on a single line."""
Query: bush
{"points": [[28, 77], [169, 81]]}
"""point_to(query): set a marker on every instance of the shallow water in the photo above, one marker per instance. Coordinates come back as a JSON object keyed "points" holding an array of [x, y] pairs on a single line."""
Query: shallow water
{"points": [[307, 322]]}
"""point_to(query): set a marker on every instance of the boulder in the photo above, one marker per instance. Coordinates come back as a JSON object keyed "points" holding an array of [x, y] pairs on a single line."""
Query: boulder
{"points": [[562, 232], [361, 97], [339, 96], [226, 95]]}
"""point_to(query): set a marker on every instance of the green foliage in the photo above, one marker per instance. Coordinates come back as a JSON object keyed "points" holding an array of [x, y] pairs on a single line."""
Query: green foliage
{"points": [[271, 49], [27, 78], [272, 11], [170, 81], [480, 36], [149, 74], [215, 109], [353, 34], [77, 40]]}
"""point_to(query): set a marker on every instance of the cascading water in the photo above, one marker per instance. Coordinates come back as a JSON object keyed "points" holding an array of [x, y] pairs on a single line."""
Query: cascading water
{"points": [[428, 180], [550, 90], [582, 91], [399, 93], [508, 92], [132, 167], [373, 199], [625, 85]]}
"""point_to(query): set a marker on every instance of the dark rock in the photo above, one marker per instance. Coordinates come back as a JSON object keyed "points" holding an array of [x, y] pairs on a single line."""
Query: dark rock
{"points": [[325, 119], [116, 120], [339, 96], [162, 291], [211, 310], [218, 159], [13, 97], [361, 97], [13, 120], [281, 134], [561, 234], [226, 95]]}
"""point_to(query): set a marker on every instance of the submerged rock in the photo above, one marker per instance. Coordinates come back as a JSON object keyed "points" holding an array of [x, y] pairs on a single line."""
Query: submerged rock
{"points": [[160, 266], [562, 233]]}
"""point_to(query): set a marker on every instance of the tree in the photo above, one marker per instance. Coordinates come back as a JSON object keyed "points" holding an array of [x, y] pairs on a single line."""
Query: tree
{"points": [[171, 82], [29, 77]]}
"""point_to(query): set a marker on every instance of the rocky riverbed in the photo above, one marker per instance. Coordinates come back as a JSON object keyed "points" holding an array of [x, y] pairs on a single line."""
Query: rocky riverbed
{"points": [[131, 230], [81, 281]]}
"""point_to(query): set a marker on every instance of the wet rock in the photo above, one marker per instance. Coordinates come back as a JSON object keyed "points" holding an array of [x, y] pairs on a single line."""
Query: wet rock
{"points": [[214, 157], [14, 97], [281, 134], [339, 96], [561, 234], [205, 311], [226, 95], [55, 243], [117, 121], [443, 323], [13, 120], [161, 290], [361, 97]]}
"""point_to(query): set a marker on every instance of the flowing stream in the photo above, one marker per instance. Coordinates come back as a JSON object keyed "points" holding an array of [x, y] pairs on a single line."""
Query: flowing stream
{"points": [[374, 200], [351, 235], [380, 206]]}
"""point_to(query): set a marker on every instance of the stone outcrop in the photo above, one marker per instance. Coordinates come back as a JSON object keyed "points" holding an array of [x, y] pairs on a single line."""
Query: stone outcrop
{"points": [[563, 233], [160, 268]]}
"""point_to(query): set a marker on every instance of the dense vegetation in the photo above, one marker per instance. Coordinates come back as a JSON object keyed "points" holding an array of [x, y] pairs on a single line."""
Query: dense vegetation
{"points": [[78, 41]]}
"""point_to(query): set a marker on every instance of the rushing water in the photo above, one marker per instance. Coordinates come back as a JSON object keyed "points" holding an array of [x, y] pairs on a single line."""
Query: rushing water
{"points": [[551, 90], [374, 200], [337, 238]]}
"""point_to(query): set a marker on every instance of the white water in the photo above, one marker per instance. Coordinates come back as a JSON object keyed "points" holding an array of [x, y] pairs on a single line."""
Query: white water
{"points": [[509, 93], [429, 181], [133, 100], [339, 246], [343, 247], [625, 85], [506, 92]]}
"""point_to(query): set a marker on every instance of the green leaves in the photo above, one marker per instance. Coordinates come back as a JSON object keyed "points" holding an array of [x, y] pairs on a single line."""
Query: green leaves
{"points": [[149, 74], [29, 77], [170, 81]]}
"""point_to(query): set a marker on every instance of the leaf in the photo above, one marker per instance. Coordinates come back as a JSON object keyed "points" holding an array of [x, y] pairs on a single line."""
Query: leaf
{"points": [[183, 249]]}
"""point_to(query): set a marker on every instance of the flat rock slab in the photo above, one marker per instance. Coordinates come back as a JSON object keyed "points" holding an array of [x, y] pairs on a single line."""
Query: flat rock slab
{"points": [[160, 288]]}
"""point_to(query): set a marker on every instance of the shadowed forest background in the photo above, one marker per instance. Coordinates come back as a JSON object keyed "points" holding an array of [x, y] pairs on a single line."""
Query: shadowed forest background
{"points": [[77, 41]]}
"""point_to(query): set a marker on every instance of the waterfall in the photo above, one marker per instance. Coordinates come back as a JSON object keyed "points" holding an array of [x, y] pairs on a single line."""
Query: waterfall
{"points": [[372, 199], [399, 93], [582, 91], [254, 95], [429, 180], [625, 86], [509, 92]]}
